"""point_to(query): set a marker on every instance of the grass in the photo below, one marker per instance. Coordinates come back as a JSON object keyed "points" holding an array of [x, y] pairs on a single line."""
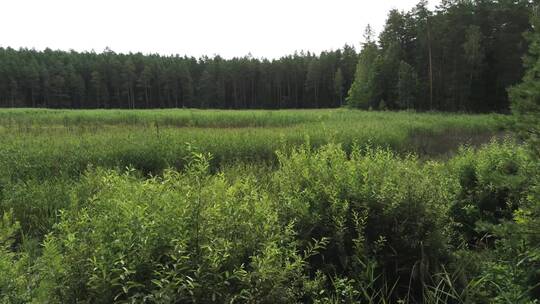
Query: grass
{"points": [[42, 143], [24, 118], [312, 206]]}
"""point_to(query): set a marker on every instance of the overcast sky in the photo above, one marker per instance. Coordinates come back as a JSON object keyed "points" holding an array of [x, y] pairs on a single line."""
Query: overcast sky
{"points": [[264, 28]]}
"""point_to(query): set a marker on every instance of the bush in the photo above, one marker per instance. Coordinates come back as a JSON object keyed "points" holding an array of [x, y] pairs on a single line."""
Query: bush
{"points": [[325, 226], [493, 183], [374, 206], [13, 266], [495, 213], [181, 237], [36, 203]]}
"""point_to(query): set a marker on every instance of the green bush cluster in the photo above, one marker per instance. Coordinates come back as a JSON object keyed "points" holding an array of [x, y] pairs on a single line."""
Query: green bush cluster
{"points": [[496, 214], [373, 206], [326, 225]]}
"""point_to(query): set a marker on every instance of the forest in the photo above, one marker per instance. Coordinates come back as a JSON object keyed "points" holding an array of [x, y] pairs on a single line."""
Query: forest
{"points": [[460, 57], [127, 178]]}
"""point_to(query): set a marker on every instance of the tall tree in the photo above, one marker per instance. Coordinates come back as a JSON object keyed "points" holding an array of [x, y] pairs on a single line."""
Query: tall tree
{"points": [[144, 83], [313, 80], [207, 89], [128, 83], [338, 85], [97, 87], [474, 54], [363, 91], [407, 85], [32, 81], [526, 96], [422, 19]]}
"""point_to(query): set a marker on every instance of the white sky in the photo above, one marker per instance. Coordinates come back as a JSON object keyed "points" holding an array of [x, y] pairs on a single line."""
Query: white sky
{"points": [[264, 28]]}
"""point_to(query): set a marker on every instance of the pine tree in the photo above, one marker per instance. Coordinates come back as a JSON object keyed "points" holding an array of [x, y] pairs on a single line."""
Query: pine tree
{"points": [[349, 59], [313, 79], [76, 87], [407, 85], [128, 83], [338, 85], [424, 45], [187, 86], [525, 97], [207, 89], [13, 86], [388, 73], [45, 85], [144, 84], [97, 87], [474, 55], [363, 91], [32, 79]]}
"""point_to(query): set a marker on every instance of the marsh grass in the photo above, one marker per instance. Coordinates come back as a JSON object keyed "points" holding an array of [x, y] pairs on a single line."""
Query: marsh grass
{"points": [[42, 143]]}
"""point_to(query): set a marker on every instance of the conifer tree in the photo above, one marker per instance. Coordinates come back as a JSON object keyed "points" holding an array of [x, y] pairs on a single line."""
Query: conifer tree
{"points": [[407, 84], [338, 85], [525, 97], [312, 81], [362, 93]]}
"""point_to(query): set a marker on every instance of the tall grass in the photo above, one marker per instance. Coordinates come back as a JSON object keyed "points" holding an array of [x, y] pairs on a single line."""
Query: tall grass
{"points": [[43, 143], [321, 206]]}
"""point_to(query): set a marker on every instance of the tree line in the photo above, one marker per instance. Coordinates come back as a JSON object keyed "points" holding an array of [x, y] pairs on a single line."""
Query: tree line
{"points": [[59, 79], [462, 56]]}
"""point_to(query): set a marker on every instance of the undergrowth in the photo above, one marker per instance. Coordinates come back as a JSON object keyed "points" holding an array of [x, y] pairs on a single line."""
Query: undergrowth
{"points": [[325, 225]]}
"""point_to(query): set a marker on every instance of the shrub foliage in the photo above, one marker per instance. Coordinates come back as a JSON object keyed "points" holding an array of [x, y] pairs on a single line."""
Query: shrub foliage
{"points": [[324, 226]]}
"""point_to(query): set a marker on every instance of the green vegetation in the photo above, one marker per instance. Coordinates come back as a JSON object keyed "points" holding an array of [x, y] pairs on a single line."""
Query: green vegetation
{"points": [[526, 96], [283, 206], [42, 143], [459, 57], [316, 206], [322, 228]]}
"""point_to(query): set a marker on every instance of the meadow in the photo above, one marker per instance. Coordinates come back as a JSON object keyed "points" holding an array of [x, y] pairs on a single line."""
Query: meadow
{"points": [[42, 143], [291, 206]]}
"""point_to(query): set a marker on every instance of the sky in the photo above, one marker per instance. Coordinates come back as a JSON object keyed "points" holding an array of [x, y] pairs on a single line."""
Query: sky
{"points": [[230, 28]]}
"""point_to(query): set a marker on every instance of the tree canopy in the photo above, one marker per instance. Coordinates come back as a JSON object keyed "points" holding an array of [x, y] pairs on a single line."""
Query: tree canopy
{"points": [[59, 79], [460, 57], [526, 96]]}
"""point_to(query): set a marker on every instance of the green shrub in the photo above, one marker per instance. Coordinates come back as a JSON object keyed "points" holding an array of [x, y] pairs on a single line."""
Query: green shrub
{"points": [[326, 225], [401, 203], [36, 203], [495, 213], [181, 237], [14, 278], [493, 182]]}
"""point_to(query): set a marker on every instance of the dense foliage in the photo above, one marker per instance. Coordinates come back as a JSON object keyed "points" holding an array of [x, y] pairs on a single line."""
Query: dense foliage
{"points": [[526, 96], [122, 206], [303, 206], [460, 57], [58, 79], [44, 143], [323, 227]]}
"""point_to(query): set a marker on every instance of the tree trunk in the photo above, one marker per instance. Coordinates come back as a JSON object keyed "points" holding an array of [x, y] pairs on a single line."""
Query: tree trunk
{"points": [[430, 67]]}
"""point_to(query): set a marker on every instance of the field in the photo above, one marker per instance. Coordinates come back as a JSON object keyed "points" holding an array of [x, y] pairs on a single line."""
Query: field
{"points": [[41, 143], [314, 206]]}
